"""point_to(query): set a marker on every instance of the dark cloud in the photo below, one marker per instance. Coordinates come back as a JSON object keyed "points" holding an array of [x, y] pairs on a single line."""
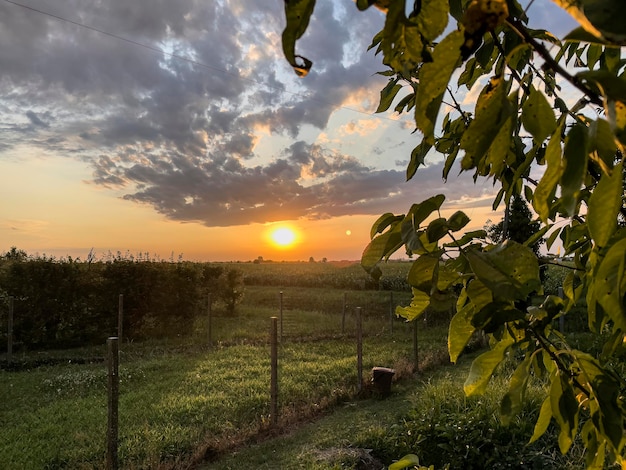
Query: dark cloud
{"points": [[181, 136]]}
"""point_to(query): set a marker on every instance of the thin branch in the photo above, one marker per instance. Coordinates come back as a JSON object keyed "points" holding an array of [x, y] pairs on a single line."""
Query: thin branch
{"points": [[458, 107], [521, 30]]}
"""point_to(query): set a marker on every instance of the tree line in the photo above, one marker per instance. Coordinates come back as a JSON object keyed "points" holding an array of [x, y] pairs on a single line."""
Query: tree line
{"points": [[67, 303]]}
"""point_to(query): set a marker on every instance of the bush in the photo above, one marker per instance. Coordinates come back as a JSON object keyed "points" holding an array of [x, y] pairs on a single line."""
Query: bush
{"points": [[67, 303]]}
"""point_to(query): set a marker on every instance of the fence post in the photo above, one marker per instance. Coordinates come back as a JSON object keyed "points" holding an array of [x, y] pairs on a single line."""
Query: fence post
{"points": [[10, 329], [120, 317], [359, 349], [561, 318], [281, 315], [343, 315], [391, 311], [209, 312], [113, 402], [415, 361], [274, 371]]}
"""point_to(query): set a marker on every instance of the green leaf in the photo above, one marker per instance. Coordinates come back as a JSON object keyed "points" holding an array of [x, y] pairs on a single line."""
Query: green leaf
{"points": [[601, 18], [493, 109], [608, 288], [575, 158], [387, 95], [460, 331], [484, 365], [421, 211], [616, 113], [419, 303], [510, 271], [604, 206], [407, 102], [432, 18], [406, 461], [580, 34], [610, 85], [544, 193], [383, 222], [298, 13], [457, 221], [543, 421], [538, 116], [602, 141], [511, 403], [606, 391], [564, 409], [417, 158], [383, 246], [433, 79], [437, 229], [422, 273]]}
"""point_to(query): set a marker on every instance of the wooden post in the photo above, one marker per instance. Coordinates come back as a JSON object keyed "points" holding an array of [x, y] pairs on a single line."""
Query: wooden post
{"points": [[415, 358], [343, 316], [113, 402], [274, 371], [281, 315], [120, 318], [561, 318], [10, 329], [359, 349], [209, 308], [391, 309]]}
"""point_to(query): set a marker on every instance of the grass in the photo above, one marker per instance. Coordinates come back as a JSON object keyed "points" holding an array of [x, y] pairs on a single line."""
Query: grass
{"points": [[178, 404], [427, 415], [183, 403]]}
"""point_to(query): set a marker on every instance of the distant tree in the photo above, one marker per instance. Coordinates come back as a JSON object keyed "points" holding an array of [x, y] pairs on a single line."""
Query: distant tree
{"points": [[520, 225], [15, 255], [311, 260], [230, 289]]}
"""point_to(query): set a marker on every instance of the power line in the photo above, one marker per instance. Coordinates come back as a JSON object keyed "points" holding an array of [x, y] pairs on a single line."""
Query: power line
{"points": [[183, 58]]}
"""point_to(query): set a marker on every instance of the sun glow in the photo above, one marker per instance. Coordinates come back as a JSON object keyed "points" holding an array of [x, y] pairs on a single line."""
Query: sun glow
{"points": [[283, 237]]}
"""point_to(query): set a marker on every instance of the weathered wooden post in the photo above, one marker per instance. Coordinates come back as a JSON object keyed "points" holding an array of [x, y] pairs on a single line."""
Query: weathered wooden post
{"points": [[359, 349], [113, 402], [281, 315], [209, 319], [120, 317], [415, 358], [343, 316], [274, 371], [10, 329]]}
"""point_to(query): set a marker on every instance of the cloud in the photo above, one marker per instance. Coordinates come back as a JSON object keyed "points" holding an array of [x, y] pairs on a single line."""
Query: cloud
{"points": [[182, 136]]}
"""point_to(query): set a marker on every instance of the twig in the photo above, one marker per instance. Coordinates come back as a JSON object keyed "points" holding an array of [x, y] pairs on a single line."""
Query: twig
{"points": [[521, 30]]}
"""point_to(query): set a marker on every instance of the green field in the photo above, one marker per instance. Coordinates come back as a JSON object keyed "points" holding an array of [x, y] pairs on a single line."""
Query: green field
{"points": [[185, 402]]}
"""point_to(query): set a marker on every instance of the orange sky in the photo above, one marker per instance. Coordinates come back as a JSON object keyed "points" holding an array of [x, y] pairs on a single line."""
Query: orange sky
{"points": [[183, 130]]}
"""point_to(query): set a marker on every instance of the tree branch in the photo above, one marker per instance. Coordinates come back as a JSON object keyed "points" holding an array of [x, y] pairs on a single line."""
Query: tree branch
{"points": [[521, 30]]}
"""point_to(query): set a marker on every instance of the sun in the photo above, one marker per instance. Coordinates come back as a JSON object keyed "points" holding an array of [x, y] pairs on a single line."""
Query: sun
{"points": [[283, 237]]}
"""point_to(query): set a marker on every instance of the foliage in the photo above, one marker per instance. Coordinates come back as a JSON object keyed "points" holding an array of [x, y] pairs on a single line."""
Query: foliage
{"points": [[520, 122], [519, 227], [66, 303]]}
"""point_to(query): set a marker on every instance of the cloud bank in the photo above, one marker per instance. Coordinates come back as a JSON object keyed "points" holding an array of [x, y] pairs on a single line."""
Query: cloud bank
{"points": [[226, 137]]}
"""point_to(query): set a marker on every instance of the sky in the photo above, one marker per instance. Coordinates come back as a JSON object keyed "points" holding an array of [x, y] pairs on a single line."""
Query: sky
{"points": [[178, 129]]}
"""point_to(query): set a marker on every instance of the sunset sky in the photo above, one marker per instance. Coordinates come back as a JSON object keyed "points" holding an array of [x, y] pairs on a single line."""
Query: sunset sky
{"points": [[108, 144]]}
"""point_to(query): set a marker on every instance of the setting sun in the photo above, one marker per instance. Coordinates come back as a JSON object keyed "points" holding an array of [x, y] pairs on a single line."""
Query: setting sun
{"points": [[283, 236]]}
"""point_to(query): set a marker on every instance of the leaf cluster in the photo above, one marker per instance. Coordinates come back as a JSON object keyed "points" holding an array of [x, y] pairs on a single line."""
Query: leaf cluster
{"points": [[520, 126]]}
